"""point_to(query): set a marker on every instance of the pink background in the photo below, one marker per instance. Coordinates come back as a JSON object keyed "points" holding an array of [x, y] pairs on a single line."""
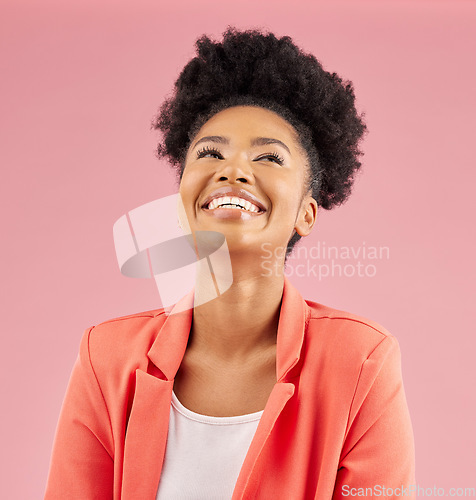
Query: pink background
{"points": [[80, 84]]}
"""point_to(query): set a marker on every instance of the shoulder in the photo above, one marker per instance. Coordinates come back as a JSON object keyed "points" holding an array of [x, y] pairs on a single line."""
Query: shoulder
{"points": [[344, 320], [348, 335], [122, 341]]}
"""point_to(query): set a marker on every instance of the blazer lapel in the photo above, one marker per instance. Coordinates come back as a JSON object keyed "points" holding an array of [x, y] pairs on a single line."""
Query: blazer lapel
{"points": [[247, 484], [146, 434]]}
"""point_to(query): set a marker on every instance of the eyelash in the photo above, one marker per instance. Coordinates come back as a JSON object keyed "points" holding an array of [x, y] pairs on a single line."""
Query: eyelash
{"points": [[210, 150]]}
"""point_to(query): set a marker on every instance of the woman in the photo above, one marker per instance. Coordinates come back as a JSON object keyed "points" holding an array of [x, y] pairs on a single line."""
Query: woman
{"points": [[257, 393]]}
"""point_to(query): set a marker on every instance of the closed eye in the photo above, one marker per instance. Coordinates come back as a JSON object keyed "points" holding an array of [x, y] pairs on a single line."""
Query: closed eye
{"points": [[273, 157], [209, 152]]}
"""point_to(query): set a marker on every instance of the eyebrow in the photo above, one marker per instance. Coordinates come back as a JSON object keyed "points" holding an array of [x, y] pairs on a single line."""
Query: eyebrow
{"points": [[258, 141]]}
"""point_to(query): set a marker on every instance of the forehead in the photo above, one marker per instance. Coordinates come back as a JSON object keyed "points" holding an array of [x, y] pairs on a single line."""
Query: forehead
{"points": [[248, 122]]}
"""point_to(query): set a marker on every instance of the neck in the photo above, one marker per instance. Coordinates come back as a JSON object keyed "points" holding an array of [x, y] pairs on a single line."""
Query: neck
{"points": [[243, 320]]}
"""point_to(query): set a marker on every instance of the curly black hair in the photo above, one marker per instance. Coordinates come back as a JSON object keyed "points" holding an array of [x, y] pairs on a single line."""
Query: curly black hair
{"points": [[256, 68]]}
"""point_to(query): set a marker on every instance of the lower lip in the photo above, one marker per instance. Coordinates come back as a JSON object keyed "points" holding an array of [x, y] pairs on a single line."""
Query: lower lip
{"points": [[231, 213]]}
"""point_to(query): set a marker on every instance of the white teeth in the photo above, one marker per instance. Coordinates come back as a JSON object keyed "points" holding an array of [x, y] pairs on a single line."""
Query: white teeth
{"points": [[233, 201], [247, 204]]}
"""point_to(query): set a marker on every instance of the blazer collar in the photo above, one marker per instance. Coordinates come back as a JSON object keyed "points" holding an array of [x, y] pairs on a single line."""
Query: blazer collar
{"points": [[169, 347]]}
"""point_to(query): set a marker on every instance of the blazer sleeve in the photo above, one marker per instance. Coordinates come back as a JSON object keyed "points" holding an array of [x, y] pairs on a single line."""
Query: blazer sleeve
{"points": [[378, 455], [82, 463]]}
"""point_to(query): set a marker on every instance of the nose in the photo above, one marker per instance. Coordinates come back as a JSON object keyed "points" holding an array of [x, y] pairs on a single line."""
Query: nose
{"points": [[235, 171]]}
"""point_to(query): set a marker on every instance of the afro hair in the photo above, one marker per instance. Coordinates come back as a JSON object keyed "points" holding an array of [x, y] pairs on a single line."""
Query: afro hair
{"points": [[255, 68]]}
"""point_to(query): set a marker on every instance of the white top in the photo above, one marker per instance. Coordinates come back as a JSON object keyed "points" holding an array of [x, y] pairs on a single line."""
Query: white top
{"points": [[204, 454]]}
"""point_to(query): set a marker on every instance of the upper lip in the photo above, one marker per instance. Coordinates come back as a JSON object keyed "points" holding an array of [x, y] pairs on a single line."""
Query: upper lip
{"points": [[231, 191]]}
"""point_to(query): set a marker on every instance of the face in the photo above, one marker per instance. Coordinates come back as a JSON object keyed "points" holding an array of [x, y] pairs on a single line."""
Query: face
{"points": [[245, 176]]}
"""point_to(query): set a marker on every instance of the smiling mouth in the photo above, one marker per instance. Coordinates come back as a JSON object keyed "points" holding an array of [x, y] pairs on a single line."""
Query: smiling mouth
{"points": [[233, 203]]}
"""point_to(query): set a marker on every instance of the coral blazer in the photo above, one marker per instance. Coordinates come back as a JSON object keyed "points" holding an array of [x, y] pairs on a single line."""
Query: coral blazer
{"points": [[336, 420]]}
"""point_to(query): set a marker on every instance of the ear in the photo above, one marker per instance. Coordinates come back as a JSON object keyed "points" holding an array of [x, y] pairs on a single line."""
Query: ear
{"points": [[307, 215]]}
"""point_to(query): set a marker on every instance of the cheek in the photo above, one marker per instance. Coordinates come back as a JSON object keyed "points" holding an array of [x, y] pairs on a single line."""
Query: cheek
{"points": [[287, 196], [189, 185], [187, 202], [191, 189]]}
